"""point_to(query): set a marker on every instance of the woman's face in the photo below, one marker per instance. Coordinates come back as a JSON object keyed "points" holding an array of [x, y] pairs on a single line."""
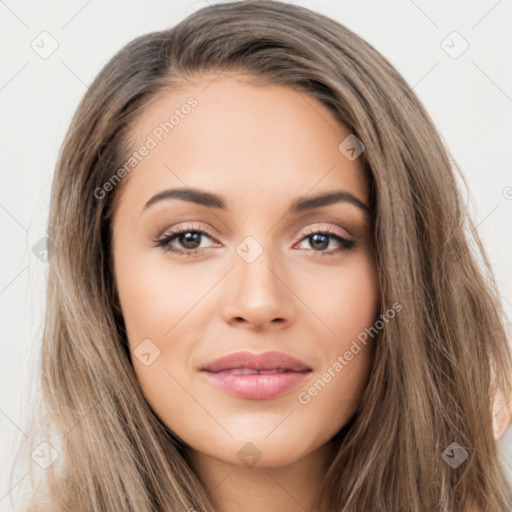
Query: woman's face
{"points": [[265, 267]]}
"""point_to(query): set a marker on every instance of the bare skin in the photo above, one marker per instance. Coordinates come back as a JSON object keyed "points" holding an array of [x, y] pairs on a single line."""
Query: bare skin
{"points": [[261, 148]]}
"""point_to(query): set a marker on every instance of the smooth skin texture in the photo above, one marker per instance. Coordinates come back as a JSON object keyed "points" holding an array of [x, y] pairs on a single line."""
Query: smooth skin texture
{"points": [[260, 148]]}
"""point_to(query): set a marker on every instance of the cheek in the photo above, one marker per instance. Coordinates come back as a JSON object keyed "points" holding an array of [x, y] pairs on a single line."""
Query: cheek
{"points": [[359, 303], [152, 308], [160, 309], [351, 313], [154, 296], [351, 303], [147, 305]]}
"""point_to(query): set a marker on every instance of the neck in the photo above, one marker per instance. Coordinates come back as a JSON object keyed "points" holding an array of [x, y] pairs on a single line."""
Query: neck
{"points": [[238, 488]]}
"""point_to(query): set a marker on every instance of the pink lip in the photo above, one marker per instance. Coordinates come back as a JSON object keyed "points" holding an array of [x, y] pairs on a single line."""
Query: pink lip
{"points": [[288, 373]]}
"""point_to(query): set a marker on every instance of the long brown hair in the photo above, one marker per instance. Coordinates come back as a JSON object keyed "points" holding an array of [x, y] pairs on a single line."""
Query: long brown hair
{"points": [[437, 365]]}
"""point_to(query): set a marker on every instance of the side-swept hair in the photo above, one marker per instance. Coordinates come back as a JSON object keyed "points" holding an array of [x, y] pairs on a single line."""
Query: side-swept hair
{"points": [[437, 366]]}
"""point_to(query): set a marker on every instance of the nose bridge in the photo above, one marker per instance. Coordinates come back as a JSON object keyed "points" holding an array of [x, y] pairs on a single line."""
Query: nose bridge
{"points": [[256, 287]]}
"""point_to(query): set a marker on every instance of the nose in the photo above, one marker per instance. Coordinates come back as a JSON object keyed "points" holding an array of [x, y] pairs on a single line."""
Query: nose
{"points": [[258, 296]]}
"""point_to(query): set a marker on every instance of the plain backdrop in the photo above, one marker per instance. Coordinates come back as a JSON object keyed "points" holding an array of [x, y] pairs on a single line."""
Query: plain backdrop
{"points": [[467, 91]]}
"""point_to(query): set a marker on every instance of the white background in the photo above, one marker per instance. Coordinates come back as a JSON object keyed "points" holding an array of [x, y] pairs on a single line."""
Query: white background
{"points": [[469, 99]]}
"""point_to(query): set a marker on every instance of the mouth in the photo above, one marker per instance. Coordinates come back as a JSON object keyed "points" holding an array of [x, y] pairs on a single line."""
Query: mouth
{"points": [[251, 371], [256, 376]]}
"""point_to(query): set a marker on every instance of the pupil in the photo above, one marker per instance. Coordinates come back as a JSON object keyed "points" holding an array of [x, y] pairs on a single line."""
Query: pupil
{"points": [[190, 240], [320, 241]]}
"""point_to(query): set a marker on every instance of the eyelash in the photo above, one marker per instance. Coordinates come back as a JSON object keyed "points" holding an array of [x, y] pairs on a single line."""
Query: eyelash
{"points": [[165, 241]]}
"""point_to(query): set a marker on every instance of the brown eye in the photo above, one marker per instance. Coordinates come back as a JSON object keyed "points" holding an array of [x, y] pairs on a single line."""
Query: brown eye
{"points": [[183, 241], [319, 241], [190, 239]]}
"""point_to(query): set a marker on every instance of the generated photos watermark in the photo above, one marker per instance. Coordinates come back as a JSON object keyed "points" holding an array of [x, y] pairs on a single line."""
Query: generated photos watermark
{"points": [[151, 142], [305, 397]]}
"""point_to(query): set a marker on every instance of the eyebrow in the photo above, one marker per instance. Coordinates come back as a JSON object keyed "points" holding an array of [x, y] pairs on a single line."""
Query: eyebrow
{"points": [[201, 197]]}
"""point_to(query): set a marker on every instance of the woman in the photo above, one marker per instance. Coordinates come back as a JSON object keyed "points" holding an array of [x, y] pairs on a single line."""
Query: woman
{"points": [[265, 292]]}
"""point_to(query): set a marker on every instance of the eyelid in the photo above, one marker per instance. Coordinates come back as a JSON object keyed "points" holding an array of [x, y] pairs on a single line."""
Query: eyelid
{"points": [[185, 227], [318, 227], [312, 229]]}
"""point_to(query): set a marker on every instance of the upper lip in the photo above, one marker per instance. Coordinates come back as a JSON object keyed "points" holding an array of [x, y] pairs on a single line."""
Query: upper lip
{"points": [[254, 361]]}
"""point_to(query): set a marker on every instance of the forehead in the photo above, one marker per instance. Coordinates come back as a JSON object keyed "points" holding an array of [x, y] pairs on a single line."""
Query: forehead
{"points": [[240, 139]]}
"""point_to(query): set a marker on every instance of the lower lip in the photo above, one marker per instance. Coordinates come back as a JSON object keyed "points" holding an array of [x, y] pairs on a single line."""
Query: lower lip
{"points": [[256, 386]]}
